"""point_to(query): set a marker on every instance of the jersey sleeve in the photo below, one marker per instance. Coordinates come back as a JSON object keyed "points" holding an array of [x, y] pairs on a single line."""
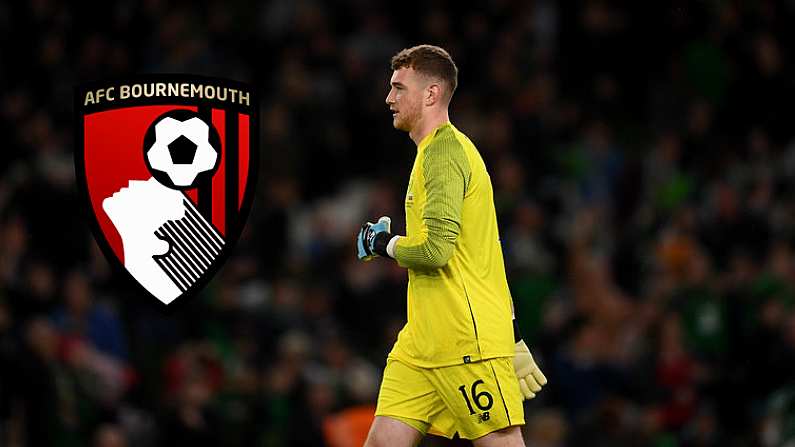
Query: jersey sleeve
{"points": [[447, 173]]}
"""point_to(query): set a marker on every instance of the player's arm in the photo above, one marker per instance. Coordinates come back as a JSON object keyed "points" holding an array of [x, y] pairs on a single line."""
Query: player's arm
{"points": [[447, 173]]}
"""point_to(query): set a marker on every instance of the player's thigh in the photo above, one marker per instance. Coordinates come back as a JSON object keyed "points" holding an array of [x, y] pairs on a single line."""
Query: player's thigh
{"points": [[483, 397], [408, 396], [389, 431], [507, 437]]}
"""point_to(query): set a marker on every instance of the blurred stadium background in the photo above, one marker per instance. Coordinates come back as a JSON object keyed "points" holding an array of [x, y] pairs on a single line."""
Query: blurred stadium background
{"points": [[642, 155]]}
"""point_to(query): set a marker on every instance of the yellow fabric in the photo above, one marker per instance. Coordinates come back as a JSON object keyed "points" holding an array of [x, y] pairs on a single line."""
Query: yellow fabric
{"points": [[432, 400], [459, 304]]}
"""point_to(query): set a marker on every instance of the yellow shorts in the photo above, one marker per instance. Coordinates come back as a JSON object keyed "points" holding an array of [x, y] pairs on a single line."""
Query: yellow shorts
{"points": [[472, 399]]}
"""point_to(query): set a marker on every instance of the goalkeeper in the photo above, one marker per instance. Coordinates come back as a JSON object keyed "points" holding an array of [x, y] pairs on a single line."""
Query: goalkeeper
{"points": [[455, 364]]}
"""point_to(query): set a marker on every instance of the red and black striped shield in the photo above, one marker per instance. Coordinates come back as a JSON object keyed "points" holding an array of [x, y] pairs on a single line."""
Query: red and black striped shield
{"points": [[167, 166]]}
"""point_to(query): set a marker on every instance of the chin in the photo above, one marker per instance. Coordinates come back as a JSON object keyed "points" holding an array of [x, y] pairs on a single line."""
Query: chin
{"points": [[401, 125]]}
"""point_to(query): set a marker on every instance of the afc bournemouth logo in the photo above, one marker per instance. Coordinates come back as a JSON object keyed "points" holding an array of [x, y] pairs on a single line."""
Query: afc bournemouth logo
{"points": [[167, 167]]}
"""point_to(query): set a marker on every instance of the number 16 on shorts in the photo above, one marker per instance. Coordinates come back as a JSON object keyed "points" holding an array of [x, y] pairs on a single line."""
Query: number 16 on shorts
{"points": [[482, 400]]}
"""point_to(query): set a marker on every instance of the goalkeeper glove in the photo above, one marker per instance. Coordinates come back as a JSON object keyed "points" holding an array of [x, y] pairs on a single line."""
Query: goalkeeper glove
{"points": [[373, 239], [531, 379]]}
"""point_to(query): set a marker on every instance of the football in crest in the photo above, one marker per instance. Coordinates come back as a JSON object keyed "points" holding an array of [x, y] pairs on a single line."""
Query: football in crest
{"points": [[181, 149]]}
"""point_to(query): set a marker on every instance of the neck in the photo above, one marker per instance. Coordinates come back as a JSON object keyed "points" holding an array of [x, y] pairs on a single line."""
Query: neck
{"points": [[427, 124]]}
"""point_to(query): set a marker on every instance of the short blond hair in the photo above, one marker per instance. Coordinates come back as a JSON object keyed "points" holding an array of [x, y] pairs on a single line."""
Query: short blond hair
{"points": [[429, 60]]}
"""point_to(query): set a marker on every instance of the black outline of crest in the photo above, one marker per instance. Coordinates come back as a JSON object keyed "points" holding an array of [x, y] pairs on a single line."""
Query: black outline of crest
{"points": [[233, 236]]}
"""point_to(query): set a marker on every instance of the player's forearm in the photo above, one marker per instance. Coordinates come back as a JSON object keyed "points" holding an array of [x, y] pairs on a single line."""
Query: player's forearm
{"points": [[431, 249]]}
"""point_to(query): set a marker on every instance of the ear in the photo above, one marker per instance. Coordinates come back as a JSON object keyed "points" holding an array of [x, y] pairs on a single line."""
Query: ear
{"points": [[433, 94]]}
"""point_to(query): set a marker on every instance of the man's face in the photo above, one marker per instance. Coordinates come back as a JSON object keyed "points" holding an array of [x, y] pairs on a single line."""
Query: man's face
{"points": [[405, 98]]}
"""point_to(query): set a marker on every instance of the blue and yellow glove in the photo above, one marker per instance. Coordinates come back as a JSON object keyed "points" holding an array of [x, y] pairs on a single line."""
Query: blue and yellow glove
{"points": [[373, 239]]}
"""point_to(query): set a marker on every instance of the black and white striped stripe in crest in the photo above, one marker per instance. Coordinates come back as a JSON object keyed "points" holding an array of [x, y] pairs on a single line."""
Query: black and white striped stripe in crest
{"points": [[195, 244]]}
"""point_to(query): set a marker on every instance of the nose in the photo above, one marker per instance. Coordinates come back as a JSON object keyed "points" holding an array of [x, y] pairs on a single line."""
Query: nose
{"points": [[389, 99]]}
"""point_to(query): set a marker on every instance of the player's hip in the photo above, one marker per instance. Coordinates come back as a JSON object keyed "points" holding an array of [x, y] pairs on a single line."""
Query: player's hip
{"points": [[429, 345], [471, 399]]}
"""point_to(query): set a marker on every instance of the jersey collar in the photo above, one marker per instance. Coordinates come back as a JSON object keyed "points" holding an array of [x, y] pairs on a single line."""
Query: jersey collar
{"points": [[427, 140]]}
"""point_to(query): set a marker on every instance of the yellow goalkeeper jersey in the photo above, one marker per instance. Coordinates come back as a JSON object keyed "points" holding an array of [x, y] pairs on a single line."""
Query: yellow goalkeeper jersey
{"points": [[459, 304]]}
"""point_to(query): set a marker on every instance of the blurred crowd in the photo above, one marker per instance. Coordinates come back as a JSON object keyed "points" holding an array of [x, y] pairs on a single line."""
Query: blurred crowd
{"points": [[642, 160]]}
